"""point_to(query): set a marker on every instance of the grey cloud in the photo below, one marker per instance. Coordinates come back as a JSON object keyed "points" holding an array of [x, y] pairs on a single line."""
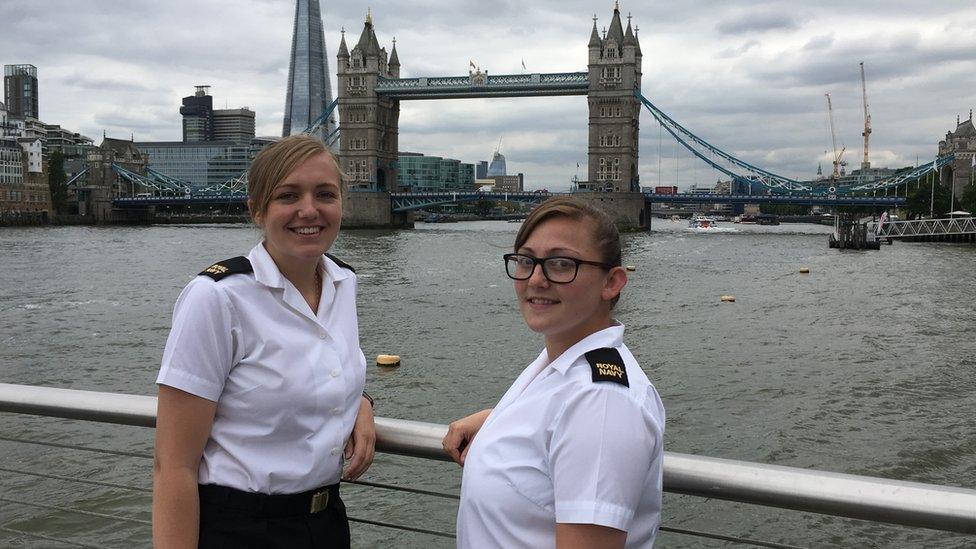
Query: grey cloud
{"points": [[819, 42], [750, 21], [729, 53], [894, 57], [748, 88], [81, 80]]}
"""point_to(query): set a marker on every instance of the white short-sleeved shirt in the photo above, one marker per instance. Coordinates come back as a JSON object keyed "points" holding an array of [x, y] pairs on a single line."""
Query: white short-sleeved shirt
{"points": [[561, 447], [287, 381]]}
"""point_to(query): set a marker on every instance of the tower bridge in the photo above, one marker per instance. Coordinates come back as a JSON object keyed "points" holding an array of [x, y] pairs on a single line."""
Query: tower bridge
{"points": [[370, 90]]}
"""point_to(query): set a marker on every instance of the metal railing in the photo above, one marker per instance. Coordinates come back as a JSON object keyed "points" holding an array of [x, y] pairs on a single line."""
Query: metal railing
{"points": [[881, 500], [927, 227]]}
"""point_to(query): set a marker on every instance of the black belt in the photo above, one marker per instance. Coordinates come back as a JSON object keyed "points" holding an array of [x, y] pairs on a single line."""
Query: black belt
{"points": [[274, 505]]}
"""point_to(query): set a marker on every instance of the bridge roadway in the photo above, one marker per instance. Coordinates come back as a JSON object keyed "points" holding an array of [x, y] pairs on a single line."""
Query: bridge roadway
{"points": [[484, 85], [403, 202]]}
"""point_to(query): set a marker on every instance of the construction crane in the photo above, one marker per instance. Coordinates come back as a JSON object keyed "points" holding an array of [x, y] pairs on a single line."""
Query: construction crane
{"points": [[865, 164], [838, 156]]}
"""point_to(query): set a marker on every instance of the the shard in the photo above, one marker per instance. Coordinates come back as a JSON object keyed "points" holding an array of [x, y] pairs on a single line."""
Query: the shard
{"points": [[309, 84]]}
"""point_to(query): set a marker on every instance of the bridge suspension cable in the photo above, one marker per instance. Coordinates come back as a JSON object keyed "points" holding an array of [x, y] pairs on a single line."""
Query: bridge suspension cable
{"points": [[685, 137], [153, 180], [777, 183], [904, 177]]}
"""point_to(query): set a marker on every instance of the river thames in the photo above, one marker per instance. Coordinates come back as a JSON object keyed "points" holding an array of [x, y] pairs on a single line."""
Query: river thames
{"points": [[865, 365]]}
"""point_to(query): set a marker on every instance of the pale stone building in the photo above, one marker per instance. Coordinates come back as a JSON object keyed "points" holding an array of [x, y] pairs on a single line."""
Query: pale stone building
{"points": [[961, 142]]}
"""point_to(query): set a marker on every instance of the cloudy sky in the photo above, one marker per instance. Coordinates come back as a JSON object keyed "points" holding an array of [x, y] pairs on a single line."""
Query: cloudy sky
{"points": [[749, 76]]}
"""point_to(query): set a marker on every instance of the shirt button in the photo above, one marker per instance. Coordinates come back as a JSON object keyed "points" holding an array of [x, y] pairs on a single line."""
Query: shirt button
{"points": [[336, 411], [323, 335], [335, 373], [335, 451]]}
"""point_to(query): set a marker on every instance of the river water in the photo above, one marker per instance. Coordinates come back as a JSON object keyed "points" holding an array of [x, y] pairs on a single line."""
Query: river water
{"points": [[865, 365]]}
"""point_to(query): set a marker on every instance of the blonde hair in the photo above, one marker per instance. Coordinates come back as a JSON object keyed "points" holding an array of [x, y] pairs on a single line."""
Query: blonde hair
{"points": [[276, 162]]}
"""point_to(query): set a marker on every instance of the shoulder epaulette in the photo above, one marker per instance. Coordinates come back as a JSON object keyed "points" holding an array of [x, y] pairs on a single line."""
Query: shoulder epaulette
{"points": [[227, 267], [340, 262], [607, 365]]}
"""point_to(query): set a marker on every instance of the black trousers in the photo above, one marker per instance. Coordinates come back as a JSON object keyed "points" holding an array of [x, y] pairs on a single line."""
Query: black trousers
{"points": [[241, 520]]}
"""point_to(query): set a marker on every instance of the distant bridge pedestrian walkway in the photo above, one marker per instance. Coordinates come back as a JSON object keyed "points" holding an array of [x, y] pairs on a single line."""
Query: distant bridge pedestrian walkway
{"points": [[953, 229]]}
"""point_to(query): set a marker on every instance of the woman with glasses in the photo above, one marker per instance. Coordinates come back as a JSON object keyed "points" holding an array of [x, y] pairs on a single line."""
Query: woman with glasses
{"points": [[571, 455]]}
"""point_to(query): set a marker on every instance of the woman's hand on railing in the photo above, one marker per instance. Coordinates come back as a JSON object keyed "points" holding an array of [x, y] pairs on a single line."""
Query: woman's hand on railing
{"points": [[361, 446], [460, 434]]}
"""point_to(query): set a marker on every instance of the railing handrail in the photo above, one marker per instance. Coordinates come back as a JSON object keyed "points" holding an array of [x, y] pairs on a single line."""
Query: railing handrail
{"points": [[862, 497]]}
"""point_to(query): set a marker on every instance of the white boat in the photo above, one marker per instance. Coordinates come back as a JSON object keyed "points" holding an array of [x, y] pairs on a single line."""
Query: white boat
{"points": [[705, 224]]}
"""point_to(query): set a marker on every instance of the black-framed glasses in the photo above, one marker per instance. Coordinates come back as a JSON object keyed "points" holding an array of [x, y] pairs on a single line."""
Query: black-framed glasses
{"points": [[556, 269]]}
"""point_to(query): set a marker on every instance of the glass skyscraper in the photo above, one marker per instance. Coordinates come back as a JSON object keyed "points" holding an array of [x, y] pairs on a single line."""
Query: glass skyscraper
{"points": [[497, 166], [309, 82]]}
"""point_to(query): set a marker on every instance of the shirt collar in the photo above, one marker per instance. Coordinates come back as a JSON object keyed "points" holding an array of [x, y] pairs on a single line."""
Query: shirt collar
{"points": [[612, 336], [266, 271], [333, 271]]}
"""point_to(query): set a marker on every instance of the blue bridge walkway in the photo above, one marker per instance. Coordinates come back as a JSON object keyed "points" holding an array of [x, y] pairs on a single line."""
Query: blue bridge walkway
{"points": [[404, 202]]}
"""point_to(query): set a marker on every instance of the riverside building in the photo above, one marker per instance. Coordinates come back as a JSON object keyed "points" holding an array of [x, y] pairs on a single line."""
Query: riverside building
{"points": [[202, 163], [202, 123], [217, 147], [20, 90], [420, 173], [24, 193]]}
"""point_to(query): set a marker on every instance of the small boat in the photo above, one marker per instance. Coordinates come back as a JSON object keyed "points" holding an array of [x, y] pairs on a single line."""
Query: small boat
{"points": [[702, 222], [705, 224]]}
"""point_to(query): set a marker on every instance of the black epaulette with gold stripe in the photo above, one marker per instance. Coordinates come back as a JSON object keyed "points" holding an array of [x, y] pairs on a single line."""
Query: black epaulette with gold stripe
{"points": [[227, 267], [607, 365], [340, 262]]}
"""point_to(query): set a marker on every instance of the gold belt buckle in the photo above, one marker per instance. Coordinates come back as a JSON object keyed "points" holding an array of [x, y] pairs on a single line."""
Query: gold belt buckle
{"points": [[320, 500]]}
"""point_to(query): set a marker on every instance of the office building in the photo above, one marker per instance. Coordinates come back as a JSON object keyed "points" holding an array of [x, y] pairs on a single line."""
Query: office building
{"points": [[481, 172], [234, 125], [419, 173], [202, 123], [201, 163], [309, 84], [197, 111], [509, 183], [20, 90]]}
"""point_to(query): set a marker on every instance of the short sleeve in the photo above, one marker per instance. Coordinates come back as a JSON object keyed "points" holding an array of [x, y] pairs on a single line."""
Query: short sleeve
{"points": [[601, 456], [200, 349]]}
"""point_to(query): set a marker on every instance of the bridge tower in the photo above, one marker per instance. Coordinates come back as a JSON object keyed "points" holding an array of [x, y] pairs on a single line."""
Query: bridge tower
{"points": [[615, 72], [369, 123], [962, 143]]}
